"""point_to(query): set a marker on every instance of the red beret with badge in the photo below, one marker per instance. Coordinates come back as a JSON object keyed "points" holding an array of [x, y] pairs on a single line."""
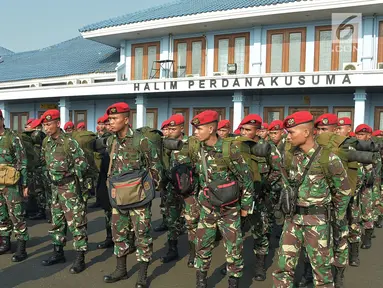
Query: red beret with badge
{"points": [[118, 108], [377, 133], [165, 124], [68, 125], [276, 125], [35, 123], [50, 115], [363, 128], [223, 124], [326, 120], [176, 119], [265, 126], [252, 119], [205, 117], [297, 118], [344, 121], [29, 121], [80, 125]]}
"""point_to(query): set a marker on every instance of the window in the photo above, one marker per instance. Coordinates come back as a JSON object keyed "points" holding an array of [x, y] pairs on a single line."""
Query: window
{"points": [[286, 50], [380, 48], [246, 112], [378, 118], [18, 120], [189, 56], [273, 113], [314, 110], [332, 51], [143, 56], [185, 113], [230, 49], [345, 112], [80, 116], [151, 118]]}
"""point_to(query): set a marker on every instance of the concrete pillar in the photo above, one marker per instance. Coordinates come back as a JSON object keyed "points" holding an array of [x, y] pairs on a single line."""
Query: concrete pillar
{"points": [[64, 106], [141, 111], [4, 107], [209, 54], [238, 110], [367, 51], [360, 98], [256, 51]]}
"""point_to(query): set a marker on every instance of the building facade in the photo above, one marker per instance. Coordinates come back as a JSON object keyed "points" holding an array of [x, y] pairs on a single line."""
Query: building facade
{"points": [[266, 57]]}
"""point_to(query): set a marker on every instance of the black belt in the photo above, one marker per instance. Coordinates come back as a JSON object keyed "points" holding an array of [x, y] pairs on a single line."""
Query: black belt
{"points": [[63, 181], [311, 210]]}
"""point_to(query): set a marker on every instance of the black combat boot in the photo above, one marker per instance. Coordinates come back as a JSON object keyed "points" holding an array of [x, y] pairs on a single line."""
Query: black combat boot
{"points": [[366, 243], [339, 277], [259, 271], [57, 257], [79, 263], [379, 223], [233, 282], [108, 242], [354, 255], [5, 245], [201, 279], [142, 275], [162, 227], [40, 215], [21, 253], [120, 273], [191, 254], [307, 277], [48, 213], [132, 242], [172, 252]]}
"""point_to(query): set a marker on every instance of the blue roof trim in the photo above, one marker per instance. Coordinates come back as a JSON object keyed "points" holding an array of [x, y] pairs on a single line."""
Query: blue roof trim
{"points": [[182, 8], [73, 57]]}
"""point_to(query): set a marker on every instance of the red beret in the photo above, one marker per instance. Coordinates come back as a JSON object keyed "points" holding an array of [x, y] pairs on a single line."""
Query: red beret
{"points": [[344, 121], [68, 125], [101, 119], [30, 120], [80, 125], [105, 118], [352, 134], [377, 133], [276, 125], [254, 119], [265, 126], [238, 130], [326, 119], [363, 128], [50, 115], [297, 118], [35, 123], [223, 124], [205, 117], [165, 124], [117, 108], [176, 119]]}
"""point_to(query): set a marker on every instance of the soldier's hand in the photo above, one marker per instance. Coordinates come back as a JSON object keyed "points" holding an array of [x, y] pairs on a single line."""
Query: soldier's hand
{"points": [[25, 192], [243, 213]]}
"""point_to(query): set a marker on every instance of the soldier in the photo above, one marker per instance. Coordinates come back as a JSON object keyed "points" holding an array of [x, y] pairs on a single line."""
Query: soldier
{"points": [[28, 124], [379, 203], [263, 131], [308, 225], [227, 218], [277, 135], [69, 127], [12, 156], [66, 166], [100, 126], [81, 126], [127, 157], [224, 128], [163, 193], [363, 132]]}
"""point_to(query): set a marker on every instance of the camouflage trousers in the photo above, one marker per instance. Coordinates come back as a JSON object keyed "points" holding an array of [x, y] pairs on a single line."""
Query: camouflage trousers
{"points": [[108, 218], [139, 219], [163, 198], [314, 239], [261, 227], [191, 213], [353, 216], [367, 208], [341, 245], [377, 199], [12, 213], [36, 189], [68, 211], [228, 222], [174, 207]]}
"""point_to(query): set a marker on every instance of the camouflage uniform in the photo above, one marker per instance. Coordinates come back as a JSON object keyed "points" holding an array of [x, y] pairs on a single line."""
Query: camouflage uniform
{"points": [[309, 230], [11, 199], [367, 209], [355, 230], [227, 218], [68, 205], [376, 190]]}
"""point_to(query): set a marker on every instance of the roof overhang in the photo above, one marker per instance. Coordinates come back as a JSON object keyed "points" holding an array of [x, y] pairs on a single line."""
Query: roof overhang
{"points": [[295, 12]]}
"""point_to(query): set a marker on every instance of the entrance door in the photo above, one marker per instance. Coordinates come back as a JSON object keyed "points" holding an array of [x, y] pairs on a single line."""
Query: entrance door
{"points": [[315, 110]]}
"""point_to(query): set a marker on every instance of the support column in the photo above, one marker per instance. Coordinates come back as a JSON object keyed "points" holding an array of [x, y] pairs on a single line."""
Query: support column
{"points": [[360, 98], [64, 106], [141, 111], [238, 110], [256, 51], [5, 110], [366, 50]]}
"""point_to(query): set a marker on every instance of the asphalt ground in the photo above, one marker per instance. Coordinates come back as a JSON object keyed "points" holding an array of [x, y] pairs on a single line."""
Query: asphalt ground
{"points": [[31, 273]]}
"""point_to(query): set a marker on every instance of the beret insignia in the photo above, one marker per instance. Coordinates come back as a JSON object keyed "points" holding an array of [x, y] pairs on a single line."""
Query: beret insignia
{"points": [[195, 121], [172, 123], [48, 117], [291, 121], [325, 121], [113, 110], [341, 121]]}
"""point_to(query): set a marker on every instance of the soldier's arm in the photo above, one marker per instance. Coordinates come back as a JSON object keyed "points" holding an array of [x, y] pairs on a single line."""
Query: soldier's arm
{"points": [[341, 187], [276, 162], [21, 159], [153, 160], [245, 178], [78, 158]]}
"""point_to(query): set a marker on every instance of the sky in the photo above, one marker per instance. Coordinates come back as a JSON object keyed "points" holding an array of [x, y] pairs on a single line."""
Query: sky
{"points": [[34, 24]]}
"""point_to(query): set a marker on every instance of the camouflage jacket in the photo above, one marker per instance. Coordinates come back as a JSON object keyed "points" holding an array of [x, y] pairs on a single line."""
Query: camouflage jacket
{"points": [[12, 153], [241, 173], [60, 163], [126, 157], [364, 173], [315, 190], [269, 168]]}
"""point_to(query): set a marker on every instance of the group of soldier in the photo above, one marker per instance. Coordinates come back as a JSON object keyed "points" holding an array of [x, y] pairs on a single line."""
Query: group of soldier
{"points": [[209, 187]]}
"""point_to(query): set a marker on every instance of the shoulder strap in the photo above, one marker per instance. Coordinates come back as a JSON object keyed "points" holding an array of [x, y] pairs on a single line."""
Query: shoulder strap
{"points": [[308, 166], [324, 162], [111, 157], [204, 164]]}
